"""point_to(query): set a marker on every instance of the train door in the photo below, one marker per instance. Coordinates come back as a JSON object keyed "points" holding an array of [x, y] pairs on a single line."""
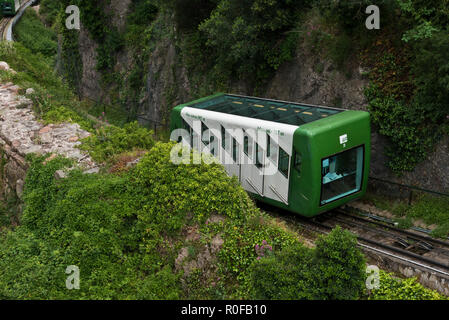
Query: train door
{"points": [[276, 184], [230, 152], [253, 162]]}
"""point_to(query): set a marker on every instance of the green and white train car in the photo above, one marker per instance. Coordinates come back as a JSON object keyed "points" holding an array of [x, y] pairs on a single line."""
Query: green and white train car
{"points": [[9, 7], [304, 158]]}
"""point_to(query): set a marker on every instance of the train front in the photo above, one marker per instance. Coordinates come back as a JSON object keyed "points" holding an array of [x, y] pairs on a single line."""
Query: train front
{"points": [[335, 156]]}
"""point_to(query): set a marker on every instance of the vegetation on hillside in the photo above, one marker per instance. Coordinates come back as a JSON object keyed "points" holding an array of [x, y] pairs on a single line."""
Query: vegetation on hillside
{"points": [[428, 211], [165, 231], [228, 41], [125, 233]]}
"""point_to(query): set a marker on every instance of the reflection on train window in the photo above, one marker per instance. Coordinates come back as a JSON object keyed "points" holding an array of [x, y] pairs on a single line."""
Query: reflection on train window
{"points": [[205, 134], [234, 149], [223, 137], [259, 156], [212, 146], [273, 149], [283, 162], [341, 175], [245, 144], [268, 146], [298, 161]]}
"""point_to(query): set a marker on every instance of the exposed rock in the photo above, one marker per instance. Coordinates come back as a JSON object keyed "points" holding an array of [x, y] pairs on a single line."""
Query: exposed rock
{"points": [[45, 130], [21, 133], [93, 170], [29, 91], [19, 188], [16, 143], [15, 89], [217, 243], [60, 174], [5, 66]]}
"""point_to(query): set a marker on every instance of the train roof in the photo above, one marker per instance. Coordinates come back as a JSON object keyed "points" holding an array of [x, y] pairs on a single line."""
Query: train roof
{"points": [[265, 109]]}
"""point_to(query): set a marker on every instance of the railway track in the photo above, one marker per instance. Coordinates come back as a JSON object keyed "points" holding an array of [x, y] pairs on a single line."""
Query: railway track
{"points": [[7, 23], [420, 250], [4, 26], [410, 248]]}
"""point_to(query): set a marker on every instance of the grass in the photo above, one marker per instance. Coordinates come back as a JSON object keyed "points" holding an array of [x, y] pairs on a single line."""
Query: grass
{"points": [[33, 34], [431, 210], [34, 57]]}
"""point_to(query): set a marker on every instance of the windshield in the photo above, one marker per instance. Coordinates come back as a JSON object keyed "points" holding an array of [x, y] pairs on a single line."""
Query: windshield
{"points": [[341, 175]]}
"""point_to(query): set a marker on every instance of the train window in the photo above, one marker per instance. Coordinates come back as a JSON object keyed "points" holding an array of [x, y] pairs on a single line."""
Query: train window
{"points": [[245, 144], [213, 150], [273, 151], [283, 162], [234, 149], [223, 137], [341, 175], [205, 137], [298, 162], [268, 145], [259, 156]]}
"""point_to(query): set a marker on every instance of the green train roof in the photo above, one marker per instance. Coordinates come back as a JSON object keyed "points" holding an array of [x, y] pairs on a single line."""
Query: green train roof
{"points": [[265, 109]]}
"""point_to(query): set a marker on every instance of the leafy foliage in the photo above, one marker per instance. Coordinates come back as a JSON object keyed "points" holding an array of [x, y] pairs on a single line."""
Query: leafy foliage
{"points": [[244, 36], [340, 266], [111, 140], [35, 36], [392, 288], [285, 276], [427, 16], [119, 229], [335, 269], [411, 129], [52, 100]]}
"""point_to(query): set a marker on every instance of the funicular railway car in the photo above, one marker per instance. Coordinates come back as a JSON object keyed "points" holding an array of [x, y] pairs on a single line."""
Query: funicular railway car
{"points": [[9, 7], [304, 158]]}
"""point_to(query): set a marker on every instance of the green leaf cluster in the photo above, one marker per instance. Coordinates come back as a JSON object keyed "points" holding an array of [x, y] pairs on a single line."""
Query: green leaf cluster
{"points": [[111, 140], [392, 288], [335, 269]]}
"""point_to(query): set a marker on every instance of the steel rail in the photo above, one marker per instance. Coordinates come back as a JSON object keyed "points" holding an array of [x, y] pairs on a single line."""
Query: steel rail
{"points": [[383, 252], [409, 234], [391, 248]]}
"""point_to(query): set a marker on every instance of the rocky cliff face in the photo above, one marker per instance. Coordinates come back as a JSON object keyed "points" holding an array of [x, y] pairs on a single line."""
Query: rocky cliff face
{"points": [[167, 84]]}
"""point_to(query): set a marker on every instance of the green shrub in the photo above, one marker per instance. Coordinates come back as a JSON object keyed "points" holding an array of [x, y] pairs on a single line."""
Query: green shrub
{"points": [[285, 276], [411, 129], [117, 229], [110, 140], [35, 36], [339, 266], [431, 74], [244, 37], [335, 269], [392, 288]]}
